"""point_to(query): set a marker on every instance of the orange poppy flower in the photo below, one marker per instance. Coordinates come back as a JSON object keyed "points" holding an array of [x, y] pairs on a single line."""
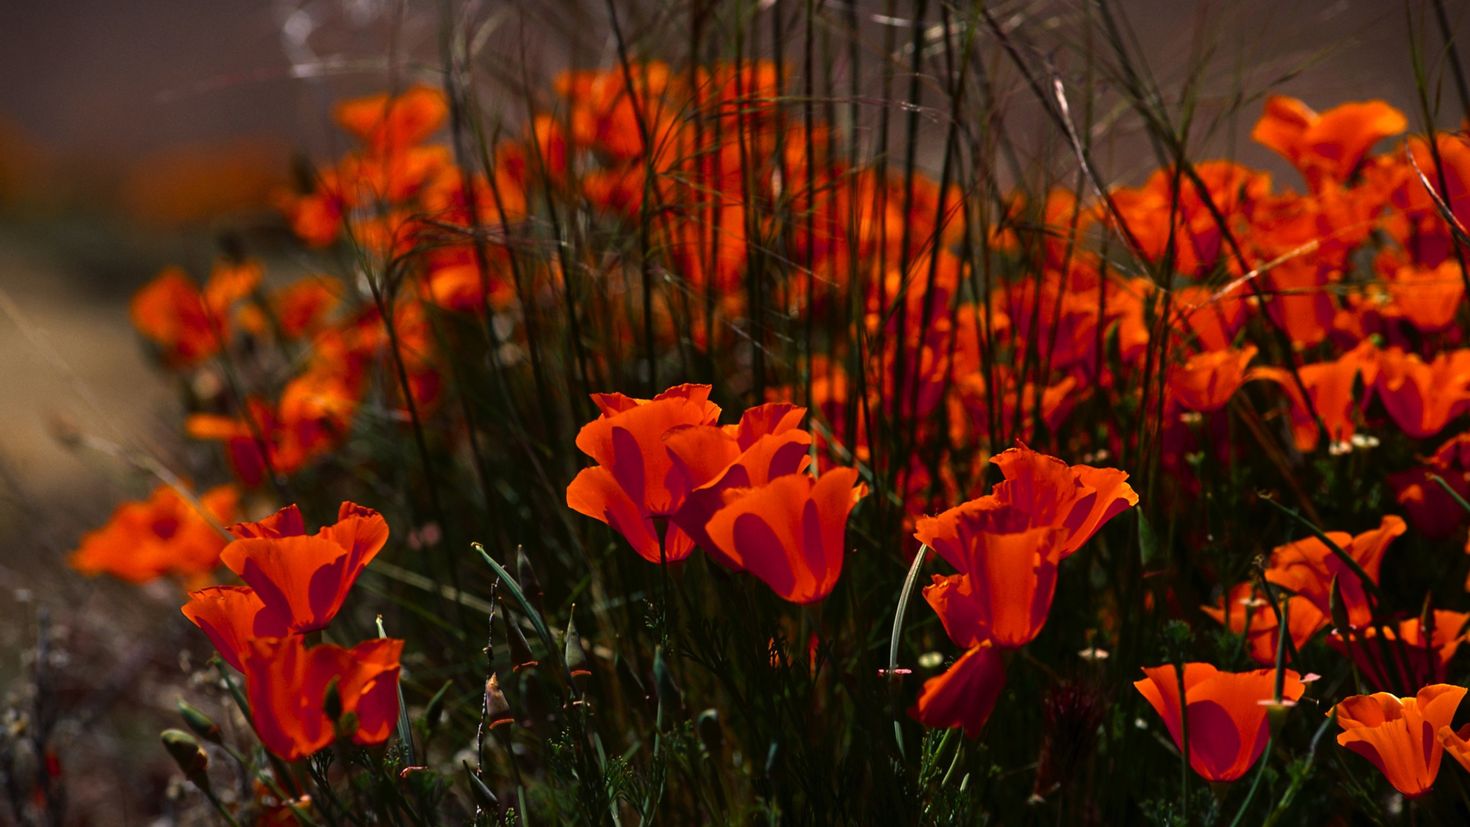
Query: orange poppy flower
{"points": [[964, 694], [1405, 655], [1430, 508], [1079, 498], [635, 479], [232, 616], [301, 306], [190, 324], [1330, 386], [1008, 576], [790, 532], [1401, 736], [303, 579], [1250, 615], [1330, 145], [715, 460], [387, 122], [1456, 743], [1226, 713], [1422, 398], [287, 686], [1308, 566], [1206, 381], [1428, 297], [161, 535]]}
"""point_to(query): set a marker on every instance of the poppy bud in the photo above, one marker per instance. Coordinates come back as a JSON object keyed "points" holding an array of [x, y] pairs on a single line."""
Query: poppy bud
{"points": [[485, 798], [526, 576], [497, 708], [199, 723], [710, 733], [187, 753], [577, 661], [520, 650]]}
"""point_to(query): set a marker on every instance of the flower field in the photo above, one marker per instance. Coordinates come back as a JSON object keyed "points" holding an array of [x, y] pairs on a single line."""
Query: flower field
{"points": [[801, 412]]}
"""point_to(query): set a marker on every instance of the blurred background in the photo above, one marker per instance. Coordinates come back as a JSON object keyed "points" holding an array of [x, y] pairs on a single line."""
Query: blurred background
{"points": [[137, 135]]}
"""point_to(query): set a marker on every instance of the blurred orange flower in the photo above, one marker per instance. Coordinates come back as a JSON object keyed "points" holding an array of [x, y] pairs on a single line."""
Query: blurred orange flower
{"points": [[161, 535], [1330, 145], [187, 323]]}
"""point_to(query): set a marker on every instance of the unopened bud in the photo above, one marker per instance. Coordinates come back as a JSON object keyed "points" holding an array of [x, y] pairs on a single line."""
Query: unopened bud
{"points": [[187, 753], [497, 708], [199, 723], [576, 656]]}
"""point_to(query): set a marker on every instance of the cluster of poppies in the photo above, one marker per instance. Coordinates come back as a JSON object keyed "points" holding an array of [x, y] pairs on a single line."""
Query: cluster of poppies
{"points": [[745, 493], [1325, 320], [302, 697]]}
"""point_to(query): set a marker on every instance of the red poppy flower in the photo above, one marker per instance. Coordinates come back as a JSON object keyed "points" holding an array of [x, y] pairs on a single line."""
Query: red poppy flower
{"points": [[188, 323], [1250, 615], [1206, 381], [790, 532], [1078, 498], [232, 616], [1401, 736], [1422, 398], [287, 686], [635, 479], [715, 460], [1430, 508], [1308, 566], [1330, 145], [161, 535], [1008, 577], [303, 579], [1403, 654], [1035, 483], [1227, 717], [1330, 385], [964, 694], [394, 122]]}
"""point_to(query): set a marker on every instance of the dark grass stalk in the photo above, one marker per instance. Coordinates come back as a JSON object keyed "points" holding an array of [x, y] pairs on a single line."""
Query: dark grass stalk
{"points": [[579, 381], [1427, 113], [431, 472], [650, 172], [808, 106], [899, 468], [1452, 53], [754, 259]]}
